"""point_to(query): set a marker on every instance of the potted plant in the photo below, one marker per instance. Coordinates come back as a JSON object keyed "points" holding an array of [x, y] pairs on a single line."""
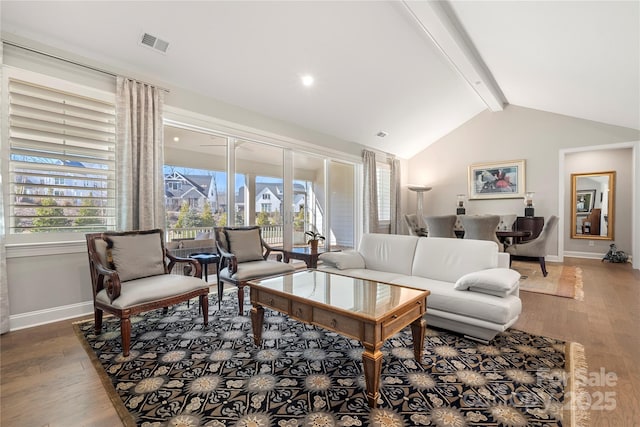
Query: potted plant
{"points": [[313, 239]]}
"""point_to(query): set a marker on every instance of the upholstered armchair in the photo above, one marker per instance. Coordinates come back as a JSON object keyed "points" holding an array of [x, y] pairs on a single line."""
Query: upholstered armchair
{"points": [[440, 226], [536, 248], [481, 227], [414, 226], [130, 274], [244, 256]]}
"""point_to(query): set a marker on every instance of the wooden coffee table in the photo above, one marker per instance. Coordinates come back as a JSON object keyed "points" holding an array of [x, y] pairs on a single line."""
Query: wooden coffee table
{"points": [[365, 310]]}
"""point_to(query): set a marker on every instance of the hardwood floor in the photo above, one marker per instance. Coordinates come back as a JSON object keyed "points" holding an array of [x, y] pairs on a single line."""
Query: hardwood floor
{"points": [[46, 378]]}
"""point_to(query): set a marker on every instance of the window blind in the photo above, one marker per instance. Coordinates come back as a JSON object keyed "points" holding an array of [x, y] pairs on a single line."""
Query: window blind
{"points": [[62, 160]]}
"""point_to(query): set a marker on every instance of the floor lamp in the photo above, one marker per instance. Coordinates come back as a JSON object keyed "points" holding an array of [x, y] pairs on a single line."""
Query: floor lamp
{"points": [[419, 189]]}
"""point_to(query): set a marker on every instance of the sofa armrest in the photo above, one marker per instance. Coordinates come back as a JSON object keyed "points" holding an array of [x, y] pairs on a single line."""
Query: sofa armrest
{"points": [[503, 259], [493, 281], [343, 260]]}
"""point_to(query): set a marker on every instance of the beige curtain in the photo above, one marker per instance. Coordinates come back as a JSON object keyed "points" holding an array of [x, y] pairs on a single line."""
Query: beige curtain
{"points": [[4, 285], [396, 215], [140, 156], [370, 192]]}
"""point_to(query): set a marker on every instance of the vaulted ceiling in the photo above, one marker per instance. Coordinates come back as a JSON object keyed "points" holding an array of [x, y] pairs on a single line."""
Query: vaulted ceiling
{"points": [[413, 69]]}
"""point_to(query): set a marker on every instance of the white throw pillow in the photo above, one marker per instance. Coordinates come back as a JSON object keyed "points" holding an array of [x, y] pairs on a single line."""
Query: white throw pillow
{"points": [[491, 279], [343, 260]]}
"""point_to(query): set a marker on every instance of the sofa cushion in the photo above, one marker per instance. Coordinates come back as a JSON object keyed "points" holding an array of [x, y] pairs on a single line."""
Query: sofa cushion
{"points": [[343, 260], [449, 259], [472, 304], [388, 252], [495, 280], [245, 244], [136, 255]]}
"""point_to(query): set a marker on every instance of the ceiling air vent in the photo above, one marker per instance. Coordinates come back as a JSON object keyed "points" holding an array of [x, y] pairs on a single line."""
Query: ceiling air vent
{"points": [[154, 43]]}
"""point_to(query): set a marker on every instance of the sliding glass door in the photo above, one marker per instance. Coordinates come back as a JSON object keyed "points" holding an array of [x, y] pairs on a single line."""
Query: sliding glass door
{"points": [[308, 197], [259, 189], [195, 182], [215, 180]]}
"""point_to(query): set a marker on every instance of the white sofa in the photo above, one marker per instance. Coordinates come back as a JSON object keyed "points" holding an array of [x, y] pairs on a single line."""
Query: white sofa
{"points": [[473, 291]]}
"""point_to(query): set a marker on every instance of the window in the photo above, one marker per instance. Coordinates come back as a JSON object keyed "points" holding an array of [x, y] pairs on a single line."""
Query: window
{"points": [[266, 196], [61, 160], [265, 207], [383, 174]]}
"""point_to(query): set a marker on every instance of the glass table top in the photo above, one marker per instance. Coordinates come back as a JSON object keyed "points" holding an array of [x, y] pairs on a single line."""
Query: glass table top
{"points": [[366, 297]]}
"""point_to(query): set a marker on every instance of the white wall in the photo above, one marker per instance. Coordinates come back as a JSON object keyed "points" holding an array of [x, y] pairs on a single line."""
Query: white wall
{"points": [[621, 162], [51, 281], [515, 133]]}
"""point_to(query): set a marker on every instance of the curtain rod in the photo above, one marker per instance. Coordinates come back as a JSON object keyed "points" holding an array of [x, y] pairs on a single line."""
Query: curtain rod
{"points": [[70, 61]]}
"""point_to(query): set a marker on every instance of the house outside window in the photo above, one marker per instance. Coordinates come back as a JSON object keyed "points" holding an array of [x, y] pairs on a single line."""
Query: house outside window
{"points": [[61, 156]]}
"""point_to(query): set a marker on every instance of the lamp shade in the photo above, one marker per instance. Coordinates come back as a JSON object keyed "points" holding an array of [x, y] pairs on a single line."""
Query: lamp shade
{"points": [[418, 187]]}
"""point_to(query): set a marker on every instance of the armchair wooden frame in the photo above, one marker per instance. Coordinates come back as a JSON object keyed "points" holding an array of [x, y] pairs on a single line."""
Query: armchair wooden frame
{"points": [[105, 278], [230, 261]]}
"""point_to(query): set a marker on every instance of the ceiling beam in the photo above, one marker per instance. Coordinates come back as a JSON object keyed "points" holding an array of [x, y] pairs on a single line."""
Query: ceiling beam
{"points": [[438, 21]]}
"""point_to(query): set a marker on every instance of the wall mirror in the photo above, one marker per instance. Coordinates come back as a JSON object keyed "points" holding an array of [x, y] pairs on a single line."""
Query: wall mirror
{"points": [[592, 213]]}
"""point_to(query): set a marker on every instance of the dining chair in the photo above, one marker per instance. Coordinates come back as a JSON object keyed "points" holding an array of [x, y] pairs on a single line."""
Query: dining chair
{"points": [[536, 248], [440, 226], [413, 225], [481, 227]]}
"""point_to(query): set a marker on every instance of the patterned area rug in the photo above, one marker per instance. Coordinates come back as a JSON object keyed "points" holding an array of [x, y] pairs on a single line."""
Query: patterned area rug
{"points": [[562, 280], [180, 373]]}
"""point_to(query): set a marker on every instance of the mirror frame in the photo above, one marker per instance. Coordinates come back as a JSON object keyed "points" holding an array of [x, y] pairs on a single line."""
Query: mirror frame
{"points": [[610, 205]]}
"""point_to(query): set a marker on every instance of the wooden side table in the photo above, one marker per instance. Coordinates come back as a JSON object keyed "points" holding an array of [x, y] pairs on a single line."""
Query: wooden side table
{"points": [[305, 254]]}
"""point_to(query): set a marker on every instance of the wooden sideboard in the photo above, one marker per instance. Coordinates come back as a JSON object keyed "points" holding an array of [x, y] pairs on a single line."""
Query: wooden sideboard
{"points": [[532, 224]]}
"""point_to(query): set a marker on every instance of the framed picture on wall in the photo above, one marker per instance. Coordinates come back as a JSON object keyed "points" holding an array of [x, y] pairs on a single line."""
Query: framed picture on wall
{"points": [[585, 200], [498, 180]]}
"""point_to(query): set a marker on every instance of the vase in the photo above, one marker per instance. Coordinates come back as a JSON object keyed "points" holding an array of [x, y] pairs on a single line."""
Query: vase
{"points": [[313, 244]]}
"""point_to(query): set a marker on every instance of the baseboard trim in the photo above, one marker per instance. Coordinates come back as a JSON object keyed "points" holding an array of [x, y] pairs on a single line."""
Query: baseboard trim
{"points": [[50, 315], [588, 255]]}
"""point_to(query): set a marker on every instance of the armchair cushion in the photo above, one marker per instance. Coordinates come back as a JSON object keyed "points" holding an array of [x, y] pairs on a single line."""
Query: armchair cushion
{"points": [[494, 281], [255, 269], [136, 255], [150, 289], [343, 260], [246, 245]]}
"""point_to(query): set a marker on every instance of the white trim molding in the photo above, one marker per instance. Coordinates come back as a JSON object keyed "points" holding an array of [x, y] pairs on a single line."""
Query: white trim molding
{"points": [[50, 315], [21, 250]]}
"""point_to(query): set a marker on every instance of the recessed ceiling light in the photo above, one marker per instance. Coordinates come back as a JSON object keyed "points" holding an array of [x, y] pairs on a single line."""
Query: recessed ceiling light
{"points": [[307, 80], [176, 139]]}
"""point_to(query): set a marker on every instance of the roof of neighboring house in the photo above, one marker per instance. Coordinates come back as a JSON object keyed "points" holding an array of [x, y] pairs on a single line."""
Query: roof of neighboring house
{"points": [[198, 183], [274, 188]]}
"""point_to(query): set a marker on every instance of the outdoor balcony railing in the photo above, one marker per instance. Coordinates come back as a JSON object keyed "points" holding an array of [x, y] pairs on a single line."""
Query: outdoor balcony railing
{"points": [[272, 234]]}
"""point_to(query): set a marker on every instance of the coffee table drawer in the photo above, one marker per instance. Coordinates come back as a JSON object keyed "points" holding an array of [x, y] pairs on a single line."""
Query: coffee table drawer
{"points": [[398, 322], [301, 311], [338, 322], [274, 301]]}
